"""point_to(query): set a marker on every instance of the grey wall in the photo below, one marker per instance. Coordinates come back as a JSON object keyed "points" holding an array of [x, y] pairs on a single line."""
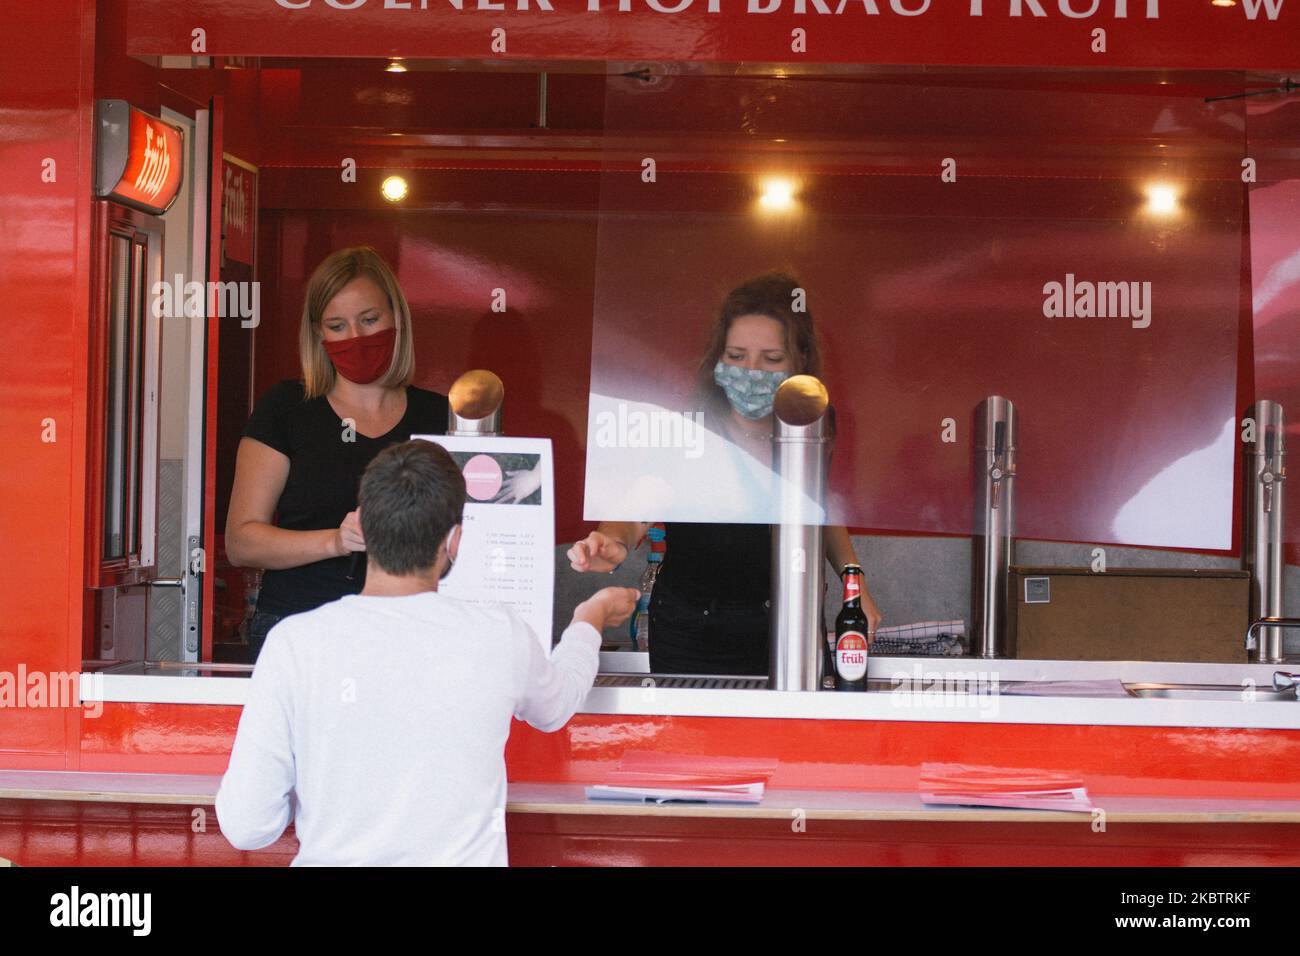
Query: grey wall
{"points": [[924, 578]]}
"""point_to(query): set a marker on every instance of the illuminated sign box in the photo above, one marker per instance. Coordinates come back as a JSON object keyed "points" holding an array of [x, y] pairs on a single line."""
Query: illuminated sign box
{"points": [[138, 157]]}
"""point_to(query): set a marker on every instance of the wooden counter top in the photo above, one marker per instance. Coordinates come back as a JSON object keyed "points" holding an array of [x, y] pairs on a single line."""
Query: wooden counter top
{"points": [[144, 788], [568, 799], [892, 805]]}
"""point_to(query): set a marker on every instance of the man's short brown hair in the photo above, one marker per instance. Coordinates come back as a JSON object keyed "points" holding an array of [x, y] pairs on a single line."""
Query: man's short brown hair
{"points": [[411, 496]]}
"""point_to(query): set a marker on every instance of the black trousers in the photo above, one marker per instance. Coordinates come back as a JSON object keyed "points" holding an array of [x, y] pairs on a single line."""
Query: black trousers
{"points": [[698, 636], [261, 623]]}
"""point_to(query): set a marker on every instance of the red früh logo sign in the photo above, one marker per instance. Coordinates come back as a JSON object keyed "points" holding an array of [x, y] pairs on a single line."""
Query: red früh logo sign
{"points": [[238, 209], [139, 157], [153, 166]]}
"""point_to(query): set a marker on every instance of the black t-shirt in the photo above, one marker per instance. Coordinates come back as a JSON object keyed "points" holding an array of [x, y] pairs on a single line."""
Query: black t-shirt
{"points": [[726, 562], [324, 476]]}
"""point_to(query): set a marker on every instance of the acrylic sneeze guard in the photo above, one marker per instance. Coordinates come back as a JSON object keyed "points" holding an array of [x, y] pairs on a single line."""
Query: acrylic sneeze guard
{"points": [[929, 292]]}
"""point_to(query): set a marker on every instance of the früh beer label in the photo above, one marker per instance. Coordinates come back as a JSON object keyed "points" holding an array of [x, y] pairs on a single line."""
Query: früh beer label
{"points": [[851, 656]]}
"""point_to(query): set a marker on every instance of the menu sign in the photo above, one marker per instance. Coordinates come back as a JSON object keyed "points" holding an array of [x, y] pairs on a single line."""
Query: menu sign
{"points": [[138, 157], [507, 545]]}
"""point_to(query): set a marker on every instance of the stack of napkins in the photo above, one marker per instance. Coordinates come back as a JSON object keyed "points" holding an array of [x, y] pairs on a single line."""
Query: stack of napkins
{"points": [[647, 777], [965, 785]]}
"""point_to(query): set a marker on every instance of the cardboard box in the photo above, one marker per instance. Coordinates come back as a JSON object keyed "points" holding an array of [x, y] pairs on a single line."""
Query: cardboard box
{"points": [[1138, 614]]}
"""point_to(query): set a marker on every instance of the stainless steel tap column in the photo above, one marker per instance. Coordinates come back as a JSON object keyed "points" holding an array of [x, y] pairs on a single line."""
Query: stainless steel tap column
{"points": [[800, 458], [475, 404], [1265, 473], [995, 472]]}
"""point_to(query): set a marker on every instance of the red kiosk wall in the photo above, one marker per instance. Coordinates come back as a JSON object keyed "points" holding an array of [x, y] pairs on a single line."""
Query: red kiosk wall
{"points": [[56, 59], [46, 97]]}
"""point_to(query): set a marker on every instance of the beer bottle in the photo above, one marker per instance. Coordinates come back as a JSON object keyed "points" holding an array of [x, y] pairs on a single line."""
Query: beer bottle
{"points": [[851, 635]]}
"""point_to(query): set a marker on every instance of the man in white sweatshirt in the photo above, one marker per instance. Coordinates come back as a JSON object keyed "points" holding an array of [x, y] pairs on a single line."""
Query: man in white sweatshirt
{"points": [[378, 722]]}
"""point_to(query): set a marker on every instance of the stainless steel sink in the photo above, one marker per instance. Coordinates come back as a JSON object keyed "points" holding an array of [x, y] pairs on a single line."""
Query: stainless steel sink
{"points": [[683, 681], [1210, 692], [705, 682]]}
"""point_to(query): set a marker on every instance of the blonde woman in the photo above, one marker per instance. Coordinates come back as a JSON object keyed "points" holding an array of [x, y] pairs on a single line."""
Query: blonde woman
{"points": [[300, 460]]}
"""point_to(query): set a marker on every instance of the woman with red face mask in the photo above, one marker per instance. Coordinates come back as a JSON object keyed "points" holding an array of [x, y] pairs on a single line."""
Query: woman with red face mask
{"points": [[300, 460]]}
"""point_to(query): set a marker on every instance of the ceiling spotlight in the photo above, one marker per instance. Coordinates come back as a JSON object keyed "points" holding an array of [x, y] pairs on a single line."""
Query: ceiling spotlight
{"points": [[394, 188], [778, 194], [1162, 199]]}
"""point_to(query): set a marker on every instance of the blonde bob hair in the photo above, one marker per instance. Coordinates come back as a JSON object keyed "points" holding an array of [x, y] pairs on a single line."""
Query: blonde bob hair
{"points": [[338, 269]]}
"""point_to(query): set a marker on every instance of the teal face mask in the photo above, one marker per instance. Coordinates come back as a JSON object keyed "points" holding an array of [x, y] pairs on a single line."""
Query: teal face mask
{"points": [[750, 390]]}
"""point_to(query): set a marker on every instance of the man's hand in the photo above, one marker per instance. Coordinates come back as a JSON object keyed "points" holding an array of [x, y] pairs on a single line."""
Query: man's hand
{"points": [[608, 607], [597, 552]]}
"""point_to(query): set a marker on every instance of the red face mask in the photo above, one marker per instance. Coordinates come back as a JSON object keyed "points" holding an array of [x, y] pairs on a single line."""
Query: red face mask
{"points": [[363, 358]]}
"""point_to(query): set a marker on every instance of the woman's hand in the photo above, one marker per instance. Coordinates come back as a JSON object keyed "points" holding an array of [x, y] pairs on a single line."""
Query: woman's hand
{"points": [[874, 617], [349, 538], [520, 484], [597, 552]]}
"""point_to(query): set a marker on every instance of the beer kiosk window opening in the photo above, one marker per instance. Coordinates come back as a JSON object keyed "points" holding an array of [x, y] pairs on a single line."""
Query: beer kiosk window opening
{"points": [[955, 241], [954, 244]]}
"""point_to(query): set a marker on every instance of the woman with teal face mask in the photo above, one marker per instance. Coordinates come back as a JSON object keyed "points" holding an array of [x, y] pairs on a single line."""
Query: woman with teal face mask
{"points": [[711, 602]]}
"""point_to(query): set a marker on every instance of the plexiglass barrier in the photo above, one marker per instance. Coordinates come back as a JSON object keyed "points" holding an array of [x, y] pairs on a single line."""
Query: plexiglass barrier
{"points": [[1075, 248]]}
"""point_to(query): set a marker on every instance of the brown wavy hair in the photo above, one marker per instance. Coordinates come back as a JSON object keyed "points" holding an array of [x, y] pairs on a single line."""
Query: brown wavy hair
{"points": [[771, 294]]}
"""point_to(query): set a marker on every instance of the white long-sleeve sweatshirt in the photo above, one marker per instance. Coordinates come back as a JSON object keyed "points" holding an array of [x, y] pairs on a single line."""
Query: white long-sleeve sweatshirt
{"points": [[378, 725]]}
